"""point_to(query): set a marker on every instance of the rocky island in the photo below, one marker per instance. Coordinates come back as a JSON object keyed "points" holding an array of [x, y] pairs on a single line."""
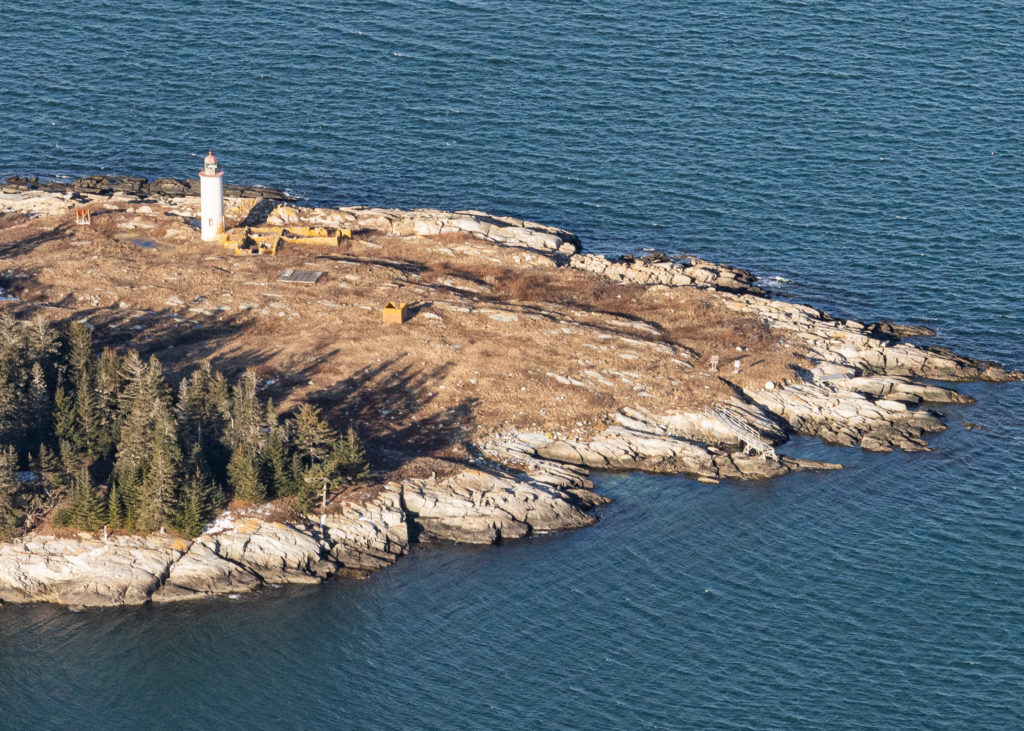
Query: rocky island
{"points": [[519, 363]]}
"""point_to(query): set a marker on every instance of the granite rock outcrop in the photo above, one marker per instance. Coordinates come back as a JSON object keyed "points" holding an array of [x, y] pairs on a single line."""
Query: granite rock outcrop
{"points": [[487, 507], [236, 555], [499, 230]]}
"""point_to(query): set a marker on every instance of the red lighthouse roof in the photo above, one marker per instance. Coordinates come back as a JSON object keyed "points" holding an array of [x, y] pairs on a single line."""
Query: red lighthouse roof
{"points": [[210, 167]]}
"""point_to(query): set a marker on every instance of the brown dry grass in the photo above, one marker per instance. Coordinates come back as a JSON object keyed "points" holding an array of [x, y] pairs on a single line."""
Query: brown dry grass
{"points": [[492, 327], [695, 322], [282, 510], [452, 237], [562, 286], [46, 528], [425, 467]]}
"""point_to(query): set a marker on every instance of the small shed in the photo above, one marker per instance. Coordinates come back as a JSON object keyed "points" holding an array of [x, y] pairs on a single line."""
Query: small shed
{"points": [[396, 312]]}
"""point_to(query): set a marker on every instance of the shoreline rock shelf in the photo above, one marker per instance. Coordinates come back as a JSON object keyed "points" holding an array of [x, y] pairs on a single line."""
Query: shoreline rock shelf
{"points": [[242, 554], [131, 185], [856, 385]]}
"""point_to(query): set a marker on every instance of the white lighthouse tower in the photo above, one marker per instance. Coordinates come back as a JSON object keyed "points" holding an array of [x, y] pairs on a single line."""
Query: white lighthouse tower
{"points": [[211, 196]]}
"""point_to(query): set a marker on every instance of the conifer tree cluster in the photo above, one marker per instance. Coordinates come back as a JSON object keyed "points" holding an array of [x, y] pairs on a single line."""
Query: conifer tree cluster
{"points": [[103, 440]]}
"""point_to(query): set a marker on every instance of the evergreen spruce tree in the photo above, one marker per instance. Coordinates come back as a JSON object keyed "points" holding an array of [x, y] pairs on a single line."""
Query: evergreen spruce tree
{"points": [[312, 436], [201, 409], [84, 511], [143, 404], [133, 379], [69, 461], [80, 356], [108, 383], [133, 450], [244, 476], [12, 378], [10, 402], [148, 466], [12, 344], [348, 458], [155, 385], [296, 474], [88, 430], [188, 409], [41, 340], [115, 507], [158, 491], [50, 466], [275, 461], [198, 503], [190, 519], [10, 331], [9, 486], [313, 440], [193, 404], [275, 455], [40, 408], [198, 466], [65, 419], [128, 487], [314, 481], [245, 426], [220, 396]]}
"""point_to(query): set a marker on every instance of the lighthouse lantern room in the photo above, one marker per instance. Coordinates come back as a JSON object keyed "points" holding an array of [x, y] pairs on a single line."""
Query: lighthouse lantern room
{"points": [[211, 192]]}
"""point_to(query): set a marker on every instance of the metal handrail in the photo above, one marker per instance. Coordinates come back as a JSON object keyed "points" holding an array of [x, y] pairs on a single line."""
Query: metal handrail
{"points": [[747, 436]]}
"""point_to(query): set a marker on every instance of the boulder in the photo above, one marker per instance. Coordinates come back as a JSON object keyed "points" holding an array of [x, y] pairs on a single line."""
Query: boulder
{"points": [[276, 552], [202, 573], [426, 227], [487, 507], [169, 186], [659, 270], [365, 536], [107, 184], [847, 417]]}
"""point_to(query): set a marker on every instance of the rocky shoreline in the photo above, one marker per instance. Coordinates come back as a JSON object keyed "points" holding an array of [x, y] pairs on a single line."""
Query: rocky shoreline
{"points": [[863, 387], [106, 185], [239, 554]]}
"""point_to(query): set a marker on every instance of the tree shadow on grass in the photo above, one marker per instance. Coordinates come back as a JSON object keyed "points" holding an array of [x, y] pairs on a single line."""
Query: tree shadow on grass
{"points": [[182, 343], [26, 244], [405, 267], [393, 408]]}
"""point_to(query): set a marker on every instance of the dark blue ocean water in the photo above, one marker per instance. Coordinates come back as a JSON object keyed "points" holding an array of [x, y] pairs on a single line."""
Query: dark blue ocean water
{"points": [[862, 156]]}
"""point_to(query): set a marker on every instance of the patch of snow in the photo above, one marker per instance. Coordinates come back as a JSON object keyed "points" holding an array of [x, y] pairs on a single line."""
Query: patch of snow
{"points": [[223, 522]]}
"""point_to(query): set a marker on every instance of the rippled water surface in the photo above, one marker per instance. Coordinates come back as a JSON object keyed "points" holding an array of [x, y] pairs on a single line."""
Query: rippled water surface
{"points": [[861, 156]]}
